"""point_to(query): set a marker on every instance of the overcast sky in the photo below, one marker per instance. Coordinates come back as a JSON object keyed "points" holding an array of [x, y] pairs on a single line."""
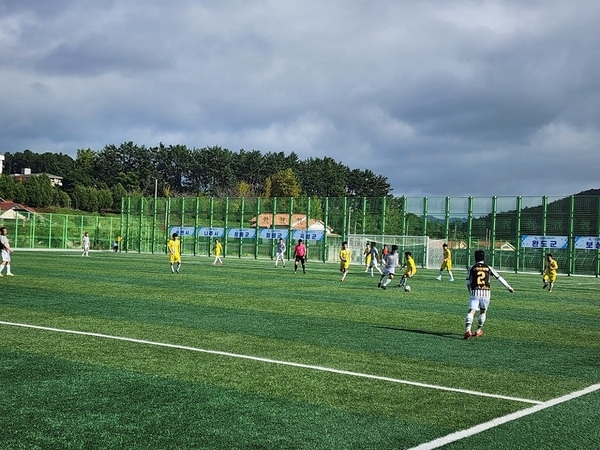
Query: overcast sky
{"points": [[442, 97]]}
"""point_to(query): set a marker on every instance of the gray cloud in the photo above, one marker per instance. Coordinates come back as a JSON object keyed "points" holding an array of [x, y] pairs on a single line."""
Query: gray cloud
{"points": [[444, 98]]}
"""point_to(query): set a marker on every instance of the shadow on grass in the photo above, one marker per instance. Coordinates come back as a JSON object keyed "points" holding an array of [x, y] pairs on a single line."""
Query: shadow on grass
{"points": [[432, 333]]}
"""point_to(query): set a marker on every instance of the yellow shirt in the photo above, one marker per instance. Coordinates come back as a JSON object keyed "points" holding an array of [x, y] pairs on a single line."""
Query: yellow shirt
{"points": [[174, 247], [344, 258], [411, 267]]}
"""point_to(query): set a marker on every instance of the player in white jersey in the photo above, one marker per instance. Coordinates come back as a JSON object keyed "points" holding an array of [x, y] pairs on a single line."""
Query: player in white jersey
{"points": [[6, 251], [390, 262], [280, 255], [374, 263], [478, 284], [85, 244]]}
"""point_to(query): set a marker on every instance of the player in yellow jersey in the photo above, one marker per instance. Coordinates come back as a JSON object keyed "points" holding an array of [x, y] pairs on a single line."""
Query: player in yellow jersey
{"points": [[217, 250], [174, 247], [344, 260], [550, 272], [411, 268], [446, 264]]}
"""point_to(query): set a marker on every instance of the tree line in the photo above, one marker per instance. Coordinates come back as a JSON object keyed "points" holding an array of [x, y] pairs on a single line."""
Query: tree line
{"points": [[97, 180]]}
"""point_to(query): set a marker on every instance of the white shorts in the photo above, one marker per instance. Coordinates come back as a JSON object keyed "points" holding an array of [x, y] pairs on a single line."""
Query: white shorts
{"points": [[279, 255], [479, 302], [5, 255]]}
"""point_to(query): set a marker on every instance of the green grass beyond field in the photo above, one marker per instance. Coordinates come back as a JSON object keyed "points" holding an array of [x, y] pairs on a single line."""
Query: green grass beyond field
{"points": [[246, 356]]}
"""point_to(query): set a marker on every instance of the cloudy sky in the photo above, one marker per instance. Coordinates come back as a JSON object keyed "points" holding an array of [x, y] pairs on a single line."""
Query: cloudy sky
{"points": [[444, 98]]}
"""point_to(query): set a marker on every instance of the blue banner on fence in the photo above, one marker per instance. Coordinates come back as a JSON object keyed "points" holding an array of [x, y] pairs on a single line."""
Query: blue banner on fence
{"points": [[266, 233], [245, 233], [308, 235], [182, 231], [211, 232], [544, 241], [587, 243]]}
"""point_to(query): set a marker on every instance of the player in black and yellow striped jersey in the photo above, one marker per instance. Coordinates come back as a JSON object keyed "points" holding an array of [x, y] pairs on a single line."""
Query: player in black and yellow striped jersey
{"points": [[478, 284]]}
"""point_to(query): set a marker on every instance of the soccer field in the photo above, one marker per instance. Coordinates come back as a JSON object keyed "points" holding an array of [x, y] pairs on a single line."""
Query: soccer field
{"points": [[115, 351]]}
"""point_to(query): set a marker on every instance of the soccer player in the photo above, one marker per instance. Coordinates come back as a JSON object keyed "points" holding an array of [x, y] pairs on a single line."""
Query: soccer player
{"points": [[390, 261], [550, 272], [280, 255], [344, 260], [174, 247], [367, 255], [217, 250], [411, 268], [300, 256], [374, 254], [85, 244], [446, 264], [6, 251], [478, 284]]}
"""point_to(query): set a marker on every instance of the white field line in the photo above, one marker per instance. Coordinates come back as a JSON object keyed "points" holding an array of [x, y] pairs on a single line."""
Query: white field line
{"points": [[502, 420], [274, 361]]}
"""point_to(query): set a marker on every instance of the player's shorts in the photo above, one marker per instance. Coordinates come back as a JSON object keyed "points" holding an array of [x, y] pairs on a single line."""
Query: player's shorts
{"points": [[279, 255], [551, 277], [175, 258], [409, 273], [446, 265], [5, 255], [373, 263], [344, 265], [479, 301], [390, 272], [300, 259]]}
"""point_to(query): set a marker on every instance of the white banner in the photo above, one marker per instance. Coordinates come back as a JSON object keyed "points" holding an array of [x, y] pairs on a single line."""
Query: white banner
{"points": [[182, 231], [587, 243], [242, 233], [544, 241], [308, 235], [211, 232], [268, 233]]}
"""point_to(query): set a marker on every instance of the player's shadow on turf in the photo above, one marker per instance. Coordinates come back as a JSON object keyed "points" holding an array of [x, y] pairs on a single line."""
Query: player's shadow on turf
{"points": [[432, 333]]}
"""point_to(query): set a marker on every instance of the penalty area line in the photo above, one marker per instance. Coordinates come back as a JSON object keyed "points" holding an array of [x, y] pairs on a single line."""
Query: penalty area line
{"points": [[504, 419], [275, 361]]}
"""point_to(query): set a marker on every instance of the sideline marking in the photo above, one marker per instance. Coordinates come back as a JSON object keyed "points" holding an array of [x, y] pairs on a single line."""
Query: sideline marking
{"points": [[274, 361], [504, 419]]}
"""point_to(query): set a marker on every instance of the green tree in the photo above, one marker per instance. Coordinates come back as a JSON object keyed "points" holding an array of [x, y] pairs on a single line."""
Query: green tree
{"points": [[7, 187], [38, 191], [173, 166], [118, 192], [323, 177], [105, 200], [285, 184]]}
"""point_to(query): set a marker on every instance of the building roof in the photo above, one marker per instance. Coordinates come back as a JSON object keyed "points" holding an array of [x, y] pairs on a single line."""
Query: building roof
{"points": [[10, 209], [282, 220]]}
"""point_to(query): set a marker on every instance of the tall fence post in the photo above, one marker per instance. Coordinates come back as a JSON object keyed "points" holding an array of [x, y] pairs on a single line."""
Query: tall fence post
{"points": [[518, 232], [571, 240]]}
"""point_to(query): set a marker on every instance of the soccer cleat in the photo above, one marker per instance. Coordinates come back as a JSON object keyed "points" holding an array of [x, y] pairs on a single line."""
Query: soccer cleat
{"points": [[545, 286], [479, 333], [439, 278], [10, 274], [383, 287], [379, 284], [1, 275], [451, 279], [468, 335]]}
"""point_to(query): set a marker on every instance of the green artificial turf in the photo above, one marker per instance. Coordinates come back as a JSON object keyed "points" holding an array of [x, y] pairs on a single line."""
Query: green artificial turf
{"points": [[64, 390]]}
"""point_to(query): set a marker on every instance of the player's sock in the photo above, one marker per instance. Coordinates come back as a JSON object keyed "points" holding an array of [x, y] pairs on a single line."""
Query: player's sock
{"points": [[468, 322], [481, 320]]}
